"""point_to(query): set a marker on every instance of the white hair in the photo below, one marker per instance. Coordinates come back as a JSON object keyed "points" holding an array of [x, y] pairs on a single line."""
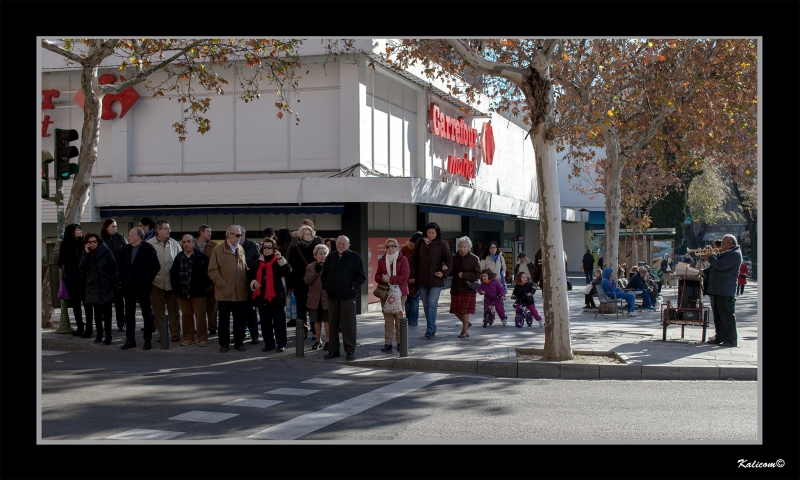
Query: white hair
{"points": [[464, 239]]}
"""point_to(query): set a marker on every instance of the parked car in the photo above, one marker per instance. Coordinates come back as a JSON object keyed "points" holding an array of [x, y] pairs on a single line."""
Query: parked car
{"points": [[746, 260]]}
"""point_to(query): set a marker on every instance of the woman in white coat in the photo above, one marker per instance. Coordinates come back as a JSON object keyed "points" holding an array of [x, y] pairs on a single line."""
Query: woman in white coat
{"points": [[493, 259]]}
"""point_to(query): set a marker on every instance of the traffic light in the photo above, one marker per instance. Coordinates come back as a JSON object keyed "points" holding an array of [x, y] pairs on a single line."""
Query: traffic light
{"points": [[47, 159], [65, 151]]}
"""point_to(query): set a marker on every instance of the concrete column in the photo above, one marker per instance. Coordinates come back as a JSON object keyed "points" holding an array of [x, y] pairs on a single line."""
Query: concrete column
{"points": [[355, 122], [354, 226]]}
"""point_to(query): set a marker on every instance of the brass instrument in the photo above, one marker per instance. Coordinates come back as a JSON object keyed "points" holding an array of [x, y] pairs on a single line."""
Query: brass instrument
{"points": [[702, 252]]}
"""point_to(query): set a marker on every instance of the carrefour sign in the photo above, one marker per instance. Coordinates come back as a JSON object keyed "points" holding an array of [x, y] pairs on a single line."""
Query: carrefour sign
{"points": [[451, 128]]}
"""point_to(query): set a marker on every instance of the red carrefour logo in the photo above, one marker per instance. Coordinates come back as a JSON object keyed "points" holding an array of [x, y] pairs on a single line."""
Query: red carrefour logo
{"points": [[126, 98], [487, 143]]}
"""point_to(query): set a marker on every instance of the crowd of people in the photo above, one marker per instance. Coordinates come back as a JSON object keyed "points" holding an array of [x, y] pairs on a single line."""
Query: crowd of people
{"points": [[200, 284]]}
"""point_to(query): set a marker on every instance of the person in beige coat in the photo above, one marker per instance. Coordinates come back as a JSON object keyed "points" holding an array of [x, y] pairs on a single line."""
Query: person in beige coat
{"points": [[317, 302], [227, 268], [167, 249]]}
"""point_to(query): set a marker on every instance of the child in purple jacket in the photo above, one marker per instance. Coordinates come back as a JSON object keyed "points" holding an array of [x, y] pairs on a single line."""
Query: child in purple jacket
{"points": [[494, 291]]}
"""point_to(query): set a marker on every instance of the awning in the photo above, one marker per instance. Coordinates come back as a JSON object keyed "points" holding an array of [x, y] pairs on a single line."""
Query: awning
{"points": [[223, 210], [463, 212]]}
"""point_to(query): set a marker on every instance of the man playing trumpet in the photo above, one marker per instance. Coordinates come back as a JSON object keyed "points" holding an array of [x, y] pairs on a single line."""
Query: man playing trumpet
{"points": [[723, 274]]}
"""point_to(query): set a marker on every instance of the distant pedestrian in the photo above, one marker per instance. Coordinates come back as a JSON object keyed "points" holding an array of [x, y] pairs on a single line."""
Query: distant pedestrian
{"points": [[667, 267], [431, 260], [189, 278], [742, 279], [466, 268], [412, 301], [492, 258], [524, 264], [148, 225], [342, 277], [99, 268], [588, 265], [392, 270], [138, 269]]}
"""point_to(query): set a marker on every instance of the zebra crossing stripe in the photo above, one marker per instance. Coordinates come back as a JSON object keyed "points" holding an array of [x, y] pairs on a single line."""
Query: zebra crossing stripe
{"points": [[305, 424]]}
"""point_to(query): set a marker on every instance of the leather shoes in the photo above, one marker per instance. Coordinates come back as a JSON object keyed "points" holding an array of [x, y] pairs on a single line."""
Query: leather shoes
{"points": [[239, 348], [267, 349], [86, 334], [128, 345], [330, 355], [387, 347], [212, 331], [280, 349], [77, 333], [223, 349], [351, 356], [712, 340], [175, 338], [147, 346], [107, 341], [255, 341]]}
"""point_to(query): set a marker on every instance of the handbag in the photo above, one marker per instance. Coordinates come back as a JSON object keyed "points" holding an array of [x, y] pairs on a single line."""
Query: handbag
{"points": [[381, 291], [62, 290], [472, 285], [587, 289], [394, 300], [581, 267]]}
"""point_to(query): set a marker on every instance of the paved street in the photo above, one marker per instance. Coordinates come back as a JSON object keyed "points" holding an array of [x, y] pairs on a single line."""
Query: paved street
{"points": [[261, 398]]}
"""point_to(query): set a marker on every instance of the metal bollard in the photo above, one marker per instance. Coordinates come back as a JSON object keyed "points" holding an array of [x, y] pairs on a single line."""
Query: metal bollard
{"points": [[404, 337], [165, 332], [299, 344]]}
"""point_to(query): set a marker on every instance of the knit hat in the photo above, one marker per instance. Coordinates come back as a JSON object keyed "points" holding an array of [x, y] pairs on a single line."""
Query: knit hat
{"points": [[415, 237], [521, 255]]}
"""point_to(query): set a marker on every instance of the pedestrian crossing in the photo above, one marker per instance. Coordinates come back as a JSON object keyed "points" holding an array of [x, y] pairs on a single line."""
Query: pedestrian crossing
{"points": [[302, 425]]}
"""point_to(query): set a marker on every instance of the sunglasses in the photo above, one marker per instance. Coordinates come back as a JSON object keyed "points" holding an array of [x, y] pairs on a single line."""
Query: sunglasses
{"points": [[267, 248], [391, 246]]}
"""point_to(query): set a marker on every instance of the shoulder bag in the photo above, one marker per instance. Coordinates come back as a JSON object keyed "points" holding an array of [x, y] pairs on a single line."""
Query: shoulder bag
{"points": [[381, 291]]}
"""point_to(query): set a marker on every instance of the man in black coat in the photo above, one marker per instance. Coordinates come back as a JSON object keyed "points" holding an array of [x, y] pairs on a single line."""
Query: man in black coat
{"points": [[341, 278], [139, 266]]}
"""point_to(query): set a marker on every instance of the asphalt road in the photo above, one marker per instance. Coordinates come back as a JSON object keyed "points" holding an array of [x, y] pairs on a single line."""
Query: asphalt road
{"points": [[131, 397]]}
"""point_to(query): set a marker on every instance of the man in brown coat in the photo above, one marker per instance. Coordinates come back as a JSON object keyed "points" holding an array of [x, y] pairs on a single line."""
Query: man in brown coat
{"points": [[227, 268], [206, 245], [431, 260]]}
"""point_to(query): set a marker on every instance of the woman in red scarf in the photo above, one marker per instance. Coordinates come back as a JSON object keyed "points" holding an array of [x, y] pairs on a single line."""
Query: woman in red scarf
{"points": [[269, 296]]}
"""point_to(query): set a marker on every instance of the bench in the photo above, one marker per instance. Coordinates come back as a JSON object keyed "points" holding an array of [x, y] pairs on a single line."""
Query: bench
{"points": [[605, 299]]}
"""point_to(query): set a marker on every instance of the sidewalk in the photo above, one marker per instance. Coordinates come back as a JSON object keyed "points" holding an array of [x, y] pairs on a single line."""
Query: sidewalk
{"points": [[636, 341]]}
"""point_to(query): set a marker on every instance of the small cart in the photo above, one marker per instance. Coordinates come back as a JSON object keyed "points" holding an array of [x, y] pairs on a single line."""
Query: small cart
{"points": [[690, 309]]}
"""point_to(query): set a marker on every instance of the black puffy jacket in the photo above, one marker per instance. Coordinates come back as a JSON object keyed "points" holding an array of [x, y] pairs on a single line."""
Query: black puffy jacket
{"points": [[102, 275]]}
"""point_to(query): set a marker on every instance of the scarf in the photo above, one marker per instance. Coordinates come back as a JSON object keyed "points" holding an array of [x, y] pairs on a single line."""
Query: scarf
{"points": [[265, 273], [391, 263], [495, 257]]}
